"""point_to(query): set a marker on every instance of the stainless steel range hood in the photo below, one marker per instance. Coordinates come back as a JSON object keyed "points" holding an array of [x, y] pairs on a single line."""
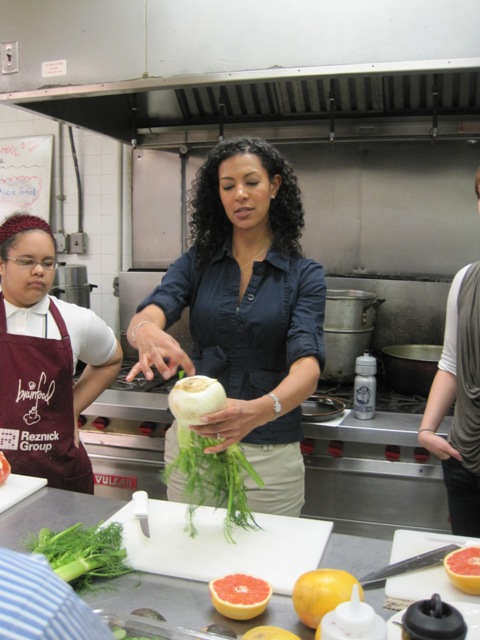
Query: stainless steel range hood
{"points": [[355, 101], [162, 73]]}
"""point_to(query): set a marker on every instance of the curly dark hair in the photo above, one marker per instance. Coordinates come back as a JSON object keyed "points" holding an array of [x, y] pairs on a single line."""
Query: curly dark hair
{"points": [[210, 226]]}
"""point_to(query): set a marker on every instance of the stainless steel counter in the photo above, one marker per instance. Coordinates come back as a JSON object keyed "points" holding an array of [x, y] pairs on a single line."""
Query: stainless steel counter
{"points": [[384, 428], [182, 602], [131, 405]]}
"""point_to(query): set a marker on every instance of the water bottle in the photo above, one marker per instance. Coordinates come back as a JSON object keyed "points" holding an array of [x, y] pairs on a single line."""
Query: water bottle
{"points": [[364, 387]]}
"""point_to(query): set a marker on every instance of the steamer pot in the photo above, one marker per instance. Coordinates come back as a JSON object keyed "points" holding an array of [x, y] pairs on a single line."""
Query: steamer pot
{"points": [[410, 368], [348, 329], [350, 309], [71, 284]]}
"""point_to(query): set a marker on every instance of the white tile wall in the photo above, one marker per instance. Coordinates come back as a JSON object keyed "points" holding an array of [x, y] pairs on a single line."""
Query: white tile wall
{"points": [[105, 174]]}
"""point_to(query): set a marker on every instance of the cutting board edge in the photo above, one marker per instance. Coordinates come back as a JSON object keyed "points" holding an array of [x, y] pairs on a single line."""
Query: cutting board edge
{"points": [[398, 587], [316, 529], [24, 487]]}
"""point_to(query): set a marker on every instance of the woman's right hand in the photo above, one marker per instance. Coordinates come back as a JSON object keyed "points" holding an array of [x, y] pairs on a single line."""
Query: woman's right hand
{"points": [[157, 348], [438, 445]]}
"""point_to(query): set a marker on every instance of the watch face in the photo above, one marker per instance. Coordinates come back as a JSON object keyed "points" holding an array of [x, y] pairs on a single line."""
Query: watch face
{"points": [[277, 407]]}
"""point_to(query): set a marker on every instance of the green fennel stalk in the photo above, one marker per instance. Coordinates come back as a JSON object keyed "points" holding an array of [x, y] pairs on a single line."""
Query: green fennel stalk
{"points": [[79, 553], [220, 472]]}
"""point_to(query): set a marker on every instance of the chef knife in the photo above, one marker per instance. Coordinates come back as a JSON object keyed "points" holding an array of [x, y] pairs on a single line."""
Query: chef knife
{"points": [[428, 559], [140, 510]]}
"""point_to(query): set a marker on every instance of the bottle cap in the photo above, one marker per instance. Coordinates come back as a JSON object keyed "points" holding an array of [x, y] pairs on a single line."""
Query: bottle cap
{"points": [[434, 620], [366, 365], [353, 619], [354, 615]]}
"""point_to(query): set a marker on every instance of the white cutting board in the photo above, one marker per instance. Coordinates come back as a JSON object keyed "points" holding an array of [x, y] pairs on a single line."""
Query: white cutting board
{"points": [[280, 552], [422, 584], [17, 488]]}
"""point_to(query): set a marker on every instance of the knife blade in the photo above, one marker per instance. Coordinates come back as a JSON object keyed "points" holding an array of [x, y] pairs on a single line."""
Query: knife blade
{"points": [[140, 510], [421, 561]]}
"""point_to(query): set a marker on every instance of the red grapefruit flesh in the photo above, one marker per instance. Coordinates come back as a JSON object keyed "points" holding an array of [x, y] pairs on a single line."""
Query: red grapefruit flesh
{"points": [[240, 596], [463, 569]]}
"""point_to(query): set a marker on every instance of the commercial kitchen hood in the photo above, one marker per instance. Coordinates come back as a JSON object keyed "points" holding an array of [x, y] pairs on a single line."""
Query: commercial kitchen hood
{"points": [[162, 73], [439, 98]]}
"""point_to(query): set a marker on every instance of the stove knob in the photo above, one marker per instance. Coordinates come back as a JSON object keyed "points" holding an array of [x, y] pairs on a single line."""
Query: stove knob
{"points": [[147, 428], [392, 452], [101, 423], [335, 448], [81, 421], [421, 455], [307, 446]]}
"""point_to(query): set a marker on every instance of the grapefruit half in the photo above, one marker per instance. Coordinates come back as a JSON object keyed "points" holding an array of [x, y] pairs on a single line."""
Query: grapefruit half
{"points": [[463, 569], [240, 596], [4, 468]]}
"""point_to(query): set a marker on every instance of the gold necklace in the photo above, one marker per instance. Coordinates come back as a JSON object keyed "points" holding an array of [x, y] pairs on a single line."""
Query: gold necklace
{"points": [[255, 257]]}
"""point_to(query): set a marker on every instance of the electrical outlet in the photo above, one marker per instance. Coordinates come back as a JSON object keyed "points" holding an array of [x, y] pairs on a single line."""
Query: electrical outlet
{"points": [[61, 242], [9, 55], [78, 242]]}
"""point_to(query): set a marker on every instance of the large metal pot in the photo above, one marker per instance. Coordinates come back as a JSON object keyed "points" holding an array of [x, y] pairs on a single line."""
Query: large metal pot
{"points": [[71, 284], [349, 320], [410, 368], [350, 309]]}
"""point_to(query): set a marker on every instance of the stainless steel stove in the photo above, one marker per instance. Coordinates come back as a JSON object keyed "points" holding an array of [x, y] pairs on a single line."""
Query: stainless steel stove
{"points": [[386, 399], [368, 476], [140, 384]]}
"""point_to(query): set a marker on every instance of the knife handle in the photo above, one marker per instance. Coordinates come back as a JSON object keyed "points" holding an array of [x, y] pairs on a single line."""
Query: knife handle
{"points": [[140, 503]]}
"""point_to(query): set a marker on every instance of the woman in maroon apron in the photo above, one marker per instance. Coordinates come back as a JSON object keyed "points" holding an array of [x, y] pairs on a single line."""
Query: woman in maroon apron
{"points": [[39, 405]]}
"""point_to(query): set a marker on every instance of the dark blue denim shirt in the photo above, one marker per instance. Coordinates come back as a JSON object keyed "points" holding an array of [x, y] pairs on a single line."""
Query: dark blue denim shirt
{"points": [[249, 345]]}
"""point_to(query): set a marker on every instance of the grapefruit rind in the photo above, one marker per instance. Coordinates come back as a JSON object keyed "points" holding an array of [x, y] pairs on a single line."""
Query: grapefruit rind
{"points": [[240, 596], [5, 468], [462, 567]]}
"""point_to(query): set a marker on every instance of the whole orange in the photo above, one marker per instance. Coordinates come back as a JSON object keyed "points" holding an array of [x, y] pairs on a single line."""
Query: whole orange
{"points": [[319, 591]]}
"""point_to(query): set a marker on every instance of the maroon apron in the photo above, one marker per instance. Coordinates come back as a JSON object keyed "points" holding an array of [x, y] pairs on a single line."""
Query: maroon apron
{"points": [[36, 408]]}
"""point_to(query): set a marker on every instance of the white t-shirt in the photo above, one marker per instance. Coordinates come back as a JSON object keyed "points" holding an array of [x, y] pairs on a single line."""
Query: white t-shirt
{"points": [[93, 341], [448, 359]]}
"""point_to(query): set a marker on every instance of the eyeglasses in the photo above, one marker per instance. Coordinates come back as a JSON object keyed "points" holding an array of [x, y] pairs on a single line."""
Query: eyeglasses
{"points": [[30, 263]]}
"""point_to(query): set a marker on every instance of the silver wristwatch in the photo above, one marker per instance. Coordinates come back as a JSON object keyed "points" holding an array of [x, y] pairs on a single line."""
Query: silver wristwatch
{"points": [[277, 405]]}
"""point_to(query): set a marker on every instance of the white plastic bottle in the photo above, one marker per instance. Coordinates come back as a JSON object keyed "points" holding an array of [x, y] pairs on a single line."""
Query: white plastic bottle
{"points": [[365, 387], [353, 620]]}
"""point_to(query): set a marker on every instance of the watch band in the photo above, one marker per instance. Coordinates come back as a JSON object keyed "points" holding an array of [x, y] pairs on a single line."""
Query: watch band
{"points": [[277, 405]]}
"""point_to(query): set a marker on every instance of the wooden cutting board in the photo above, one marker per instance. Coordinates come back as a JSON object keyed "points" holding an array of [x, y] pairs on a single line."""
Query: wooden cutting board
{"points": [[282, 550], [17, 488], [422, 584]]}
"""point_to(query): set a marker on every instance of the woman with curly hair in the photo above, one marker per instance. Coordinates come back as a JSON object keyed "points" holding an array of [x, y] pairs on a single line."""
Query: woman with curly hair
{"points": [[256, 316]]}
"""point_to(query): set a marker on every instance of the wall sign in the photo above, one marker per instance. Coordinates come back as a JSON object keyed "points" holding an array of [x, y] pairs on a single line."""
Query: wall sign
{"points": [[25, 175]]}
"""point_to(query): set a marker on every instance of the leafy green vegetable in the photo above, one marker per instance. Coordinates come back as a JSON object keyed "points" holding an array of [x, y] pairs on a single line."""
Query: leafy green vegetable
{"points": [[79, 553], [218, 472]]}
